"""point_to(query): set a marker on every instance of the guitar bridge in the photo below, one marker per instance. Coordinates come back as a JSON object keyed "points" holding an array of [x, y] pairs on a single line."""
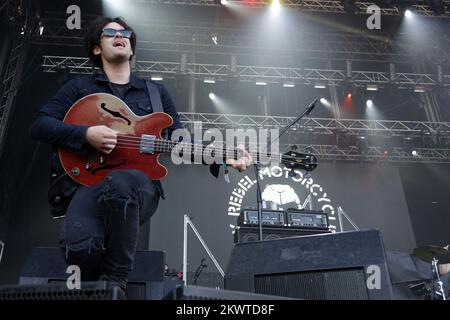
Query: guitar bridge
{"points": [[147, 144]]}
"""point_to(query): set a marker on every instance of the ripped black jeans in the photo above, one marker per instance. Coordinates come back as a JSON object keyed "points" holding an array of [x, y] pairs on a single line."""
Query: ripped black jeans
{"points": [[101, 227]]}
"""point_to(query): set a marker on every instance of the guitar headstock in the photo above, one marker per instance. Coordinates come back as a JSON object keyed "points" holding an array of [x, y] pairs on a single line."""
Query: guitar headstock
{"points": [[297, 160]]}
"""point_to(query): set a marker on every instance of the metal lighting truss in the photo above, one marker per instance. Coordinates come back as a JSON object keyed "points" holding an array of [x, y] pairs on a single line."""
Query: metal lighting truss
{"points": [[353, 127], [253, 73], [11, 80], [327, 126], [420, 7], [372, 154]]}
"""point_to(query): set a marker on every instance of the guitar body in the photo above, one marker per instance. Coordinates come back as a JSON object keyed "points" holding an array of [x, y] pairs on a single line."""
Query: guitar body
{"points": [[105, 109]]}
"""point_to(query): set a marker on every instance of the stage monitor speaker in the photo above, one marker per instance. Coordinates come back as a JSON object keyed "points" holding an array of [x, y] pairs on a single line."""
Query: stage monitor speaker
{"points": [[203, 293], [251, 234], [99, 290], [335, 266], [146, 282]]}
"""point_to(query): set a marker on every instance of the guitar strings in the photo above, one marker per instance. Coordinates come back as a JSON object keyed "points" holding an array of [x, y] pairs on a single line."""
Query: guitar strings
{"points": [[272, 157], [167, 145], [137, 142], [133, 142], [285, 158]]}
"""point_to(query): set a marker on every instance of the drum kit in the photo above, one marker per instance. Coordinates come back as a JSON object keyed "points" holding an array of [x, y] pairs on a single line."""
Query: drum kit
{"points": [[434, 255]]}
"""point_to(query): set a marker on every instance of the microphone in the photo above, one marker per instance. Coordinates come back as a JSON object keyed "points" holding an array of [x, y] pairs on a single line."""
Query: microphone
{"points": [[311, 106]]}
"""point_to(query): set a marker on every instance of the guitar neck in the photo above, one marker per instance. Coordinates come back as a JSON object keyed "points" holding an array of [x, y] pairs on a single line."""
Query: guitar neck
{"points": [[195, 149]]}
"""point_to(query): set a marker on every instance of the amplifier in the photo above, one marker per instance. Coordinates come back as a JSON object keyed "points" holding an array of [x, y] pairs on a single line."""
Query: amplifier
{"points": [[251, 233], [307, 219], [269, 217]]}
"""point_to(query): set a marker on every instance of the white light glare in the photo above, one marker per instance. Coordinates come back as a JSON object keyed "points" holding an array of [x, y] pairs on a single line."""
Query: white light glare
{"points": [[275, 7], [157, 77], [369, 103], [408, 13], [115, 4], [325, 102], [289, 84], [209, 80], [419, 89], [224, 2], [261, 83], [212, 96], [320, 86], [414, 153]]}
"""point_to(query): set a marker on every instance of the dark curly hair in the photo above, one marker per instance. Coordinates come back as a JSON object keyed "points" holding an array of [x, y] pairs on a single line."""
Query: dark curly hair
{"points": [[94, 33]]}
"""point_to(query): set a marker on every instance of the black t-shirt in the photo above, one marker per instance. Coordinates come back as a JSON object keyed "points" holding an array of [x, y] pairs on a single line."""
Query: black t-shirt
{"points": [[119, 89]]}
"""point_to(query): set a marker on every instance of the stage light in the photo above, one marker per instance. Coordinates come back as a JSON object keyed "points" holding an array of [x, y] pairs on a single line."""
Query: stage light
{"points": [[369, 103], [408, 145], [325, 102], [319, 85], [157, 77], [261, 83], [408, 13], [212, 96], [275, 7], [288, 84], [414, 153], [116, 4], [214, 39], [372, 87], [361, 145], [224, 2], [209, 80], [419, 89], [349, 95]]}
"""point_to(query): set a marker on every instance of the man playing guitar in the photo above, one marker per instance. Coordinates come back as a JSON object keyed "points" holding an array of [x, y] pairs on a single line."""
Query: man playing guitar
{"points": [[102, 220]]}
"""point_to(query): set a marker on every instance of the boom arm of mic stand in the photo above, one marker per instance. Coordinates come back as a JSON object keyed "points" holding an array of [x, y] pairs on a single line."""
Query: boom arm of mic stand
{"points": [[306, 112]]}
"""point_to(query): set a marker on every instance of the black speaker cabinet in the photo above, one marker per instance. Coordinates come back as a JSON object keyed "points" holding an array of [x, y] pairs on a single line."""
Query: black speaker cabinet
{"points": [[46, 265], [335, 266], [250, 234], [99, 290], [203, 293]]}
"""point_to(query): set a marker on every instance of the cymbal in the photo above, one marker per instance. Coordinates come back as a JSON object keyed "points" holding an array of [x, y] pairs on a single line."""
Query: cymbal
{"points": [[426, 253]]}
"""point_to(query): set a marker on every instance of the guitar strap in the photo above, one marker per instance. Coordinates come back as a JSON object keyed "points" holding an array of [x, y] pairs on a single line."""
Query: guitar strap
{"points": [[155, 97]]}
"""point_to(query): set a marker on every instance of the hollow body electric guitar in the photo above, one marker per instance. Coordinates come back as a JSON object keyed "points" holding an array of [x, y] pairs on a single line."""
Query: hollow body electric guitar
{"points": [[139, 142]]}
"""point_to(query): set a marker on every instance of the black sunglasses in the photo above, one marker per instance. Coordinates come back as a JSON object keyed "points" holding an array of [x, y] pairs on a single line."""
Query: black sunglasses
{"points": [[109, 32]]}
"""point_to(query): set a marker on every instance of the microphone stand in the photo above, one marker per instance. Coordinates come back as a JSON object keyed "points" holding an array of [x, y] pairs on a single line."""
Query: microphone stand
{"points": [[257, 166], [199, 271]]}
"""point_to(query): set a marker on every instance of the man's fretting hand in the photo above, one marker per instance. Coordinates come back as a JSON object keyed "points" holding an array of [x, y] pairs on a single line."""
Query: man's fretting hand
{"points": [[244, 160]]}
